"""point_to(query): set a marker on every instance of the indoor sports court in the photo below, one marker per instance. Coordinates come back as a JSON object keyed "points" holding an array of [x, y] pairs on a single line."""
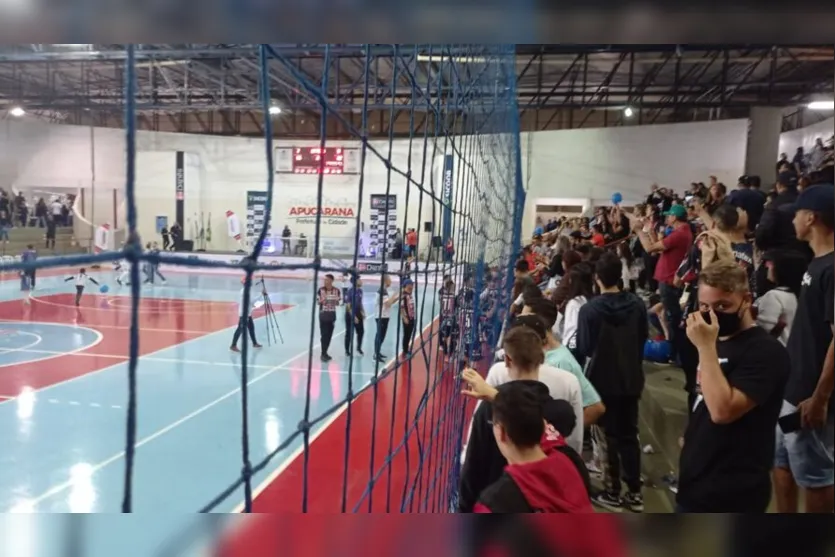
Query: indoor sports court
{"points": [[63, 385]]}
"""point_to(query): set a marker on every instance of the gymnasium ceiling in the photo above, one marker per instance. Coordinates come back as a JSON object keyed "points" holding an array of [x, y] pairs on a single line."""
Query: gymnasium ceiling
{"points": [[213, 88]]}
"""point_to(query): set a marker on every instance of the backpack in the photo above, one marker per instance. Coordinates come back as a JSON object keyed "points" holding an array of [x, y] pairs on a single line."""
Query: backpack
{"points": [[714, 247]]}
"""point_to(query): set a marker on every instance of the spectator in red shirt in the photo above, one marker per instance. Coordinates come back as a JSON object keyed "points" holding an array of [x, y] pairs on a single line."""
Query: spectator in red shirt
{"points": [[597, 237], [411, 243], [673, 249]]}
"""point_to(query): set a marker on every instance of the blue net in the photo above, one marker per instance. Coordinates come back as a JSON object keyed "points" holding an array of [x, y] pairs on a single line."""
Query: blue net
{"points": [[457, 175]]}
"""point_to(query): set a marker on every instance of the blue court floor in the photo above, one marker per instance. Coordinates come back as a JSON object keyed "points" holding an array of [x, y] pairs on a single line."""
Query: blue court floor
{"points": [[64, 389]]}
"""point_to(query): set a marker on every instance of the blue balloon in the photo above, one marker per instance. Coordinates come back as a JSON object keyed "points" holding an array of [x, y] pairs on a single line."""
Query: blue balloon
{"points": [[616, 198], [104, 289]]}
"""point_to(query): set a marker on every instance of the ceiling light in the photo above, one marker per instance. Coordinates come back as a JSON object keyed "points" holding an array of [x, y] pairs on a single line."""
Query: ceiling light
{"points": [[628, 112], [17, 111], [275, 110], [822, 105]]}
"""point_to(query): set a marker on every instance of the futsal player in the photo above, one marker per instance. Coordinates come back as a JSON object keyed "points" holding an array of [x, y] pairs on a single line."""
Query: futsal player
{"points": [[354, 316], [123, 268], [247, 323], [80, 281], [407, 315], [449, 327], [328, 298], [155, 266]]}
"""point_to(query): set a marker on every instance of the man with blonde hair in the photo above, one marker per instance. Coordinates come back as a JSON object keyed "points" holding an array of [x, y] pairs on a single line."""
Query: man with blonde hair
{"points": [[729, 444]]}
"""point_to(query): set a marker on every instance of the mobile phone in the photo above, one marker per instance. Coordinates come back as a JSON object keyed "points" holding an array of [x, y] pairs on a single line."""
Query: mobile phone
{"points": [[790, 423]]}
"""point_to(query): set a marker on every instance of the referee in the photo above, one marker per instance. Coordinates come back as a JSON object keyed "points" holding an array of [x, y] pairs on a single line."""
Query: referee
{"points": [[247, 323], [328, 298]]}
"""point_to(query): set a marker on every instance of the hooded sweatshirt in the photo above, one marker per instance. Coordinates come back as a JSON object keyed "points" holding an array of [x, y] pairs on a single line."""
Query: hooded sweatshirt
{"points": [[484, 463], [619, 323], [551, 485]]}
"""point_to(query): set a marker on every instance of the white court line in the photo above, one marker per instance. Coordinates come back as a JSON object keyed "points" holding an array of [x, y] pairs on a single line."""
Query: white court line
{"points": [[56, 489], [193, 362], [325, 424], [126, 309], [37, 341], [127, 327], [4, 397], [99, 338]]}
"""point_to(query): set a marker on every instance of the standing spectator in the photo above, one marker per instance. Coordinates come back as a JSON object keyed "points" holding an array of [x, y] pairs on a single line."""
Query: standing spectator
{"points": [[166, 237], [176, 232], [777, 308], [776, 231], [22, 210], [449, 250], [805, 458], [799, 162], [547, 483], [782, 165], [560, 357], [729, 442], [5, 225], [611, 332], [328, 299], [55, 209], [41, 212], [50, 232], [411, 243], [816, 157], [397, 252], [673, 249], [579, 289], [285, 240], [484, 463]]}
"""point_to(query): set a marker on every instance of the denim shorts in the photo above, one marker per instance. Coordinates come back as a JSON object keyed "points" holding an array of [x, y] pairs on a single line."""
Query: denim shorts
{"points": [[807, 453]]}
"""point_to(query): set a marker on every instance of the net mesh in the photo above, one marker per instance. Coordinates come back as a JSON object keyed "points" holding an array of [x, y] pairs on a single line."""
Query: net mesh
{"points": [[458, 168]]}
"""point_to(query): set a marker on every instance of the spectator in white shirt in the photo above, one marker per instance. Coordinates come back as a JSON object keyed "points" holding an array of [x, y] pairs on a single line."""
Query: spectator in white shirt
{"points": [[579, 289], [776, 309], [562, 385]]}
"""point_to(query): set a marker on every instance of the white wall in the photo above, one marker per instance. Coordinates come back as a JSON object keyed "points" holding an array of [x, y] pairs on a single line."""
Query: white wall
{"points": [[805, 137], [586, 165], [589, 165], [220, 170]]}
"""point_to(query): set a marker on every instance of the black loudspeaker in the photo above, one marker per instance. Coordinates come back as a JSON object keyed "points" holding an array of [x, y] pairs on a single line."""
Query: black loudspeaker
{"points": [[427, 226], [437, 242], [186, 245]]}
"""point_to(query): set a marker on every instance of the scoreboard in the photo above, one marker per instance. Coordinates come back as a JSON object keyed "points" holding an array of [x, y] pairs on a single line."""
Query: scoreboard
{"points": [[316, 160]]}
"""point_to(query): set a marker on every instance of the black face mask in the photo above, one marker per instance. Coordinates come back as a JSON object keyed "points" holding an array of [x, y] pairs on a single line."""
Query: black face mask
{"points": [[729, 323]]}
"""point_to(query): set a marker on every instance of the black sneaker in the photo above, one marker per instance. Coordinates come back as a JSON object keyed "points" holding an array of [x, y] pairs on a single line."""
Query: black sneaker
{"points": [[360, 352], [609, 501], [325, 358], [634, 502]]}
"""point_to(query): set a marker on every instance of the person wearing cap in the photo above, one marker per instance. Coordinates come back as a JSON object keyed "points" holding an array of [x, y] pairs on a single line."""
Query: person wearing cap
{"points": [[407, 314], [804, 458], [775, 231], [673, 249], [328, 298]]}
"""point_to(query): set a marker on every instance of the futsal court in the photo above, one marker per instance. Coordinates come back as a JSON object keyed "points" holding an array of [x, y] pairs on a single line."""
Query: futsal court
{"points": [[64, 379]]}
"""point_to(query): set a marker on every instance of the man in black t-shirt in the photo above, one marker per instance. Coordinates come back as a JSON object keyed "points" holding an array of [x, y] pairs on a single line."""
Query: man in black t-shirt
{"points": [[729, 443], [805, 458]]}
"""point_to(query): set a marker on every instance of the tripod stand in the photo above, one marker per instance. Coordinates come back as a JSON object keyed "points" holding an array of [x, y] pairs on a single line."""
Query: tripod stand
{"points": [[273, 329]]}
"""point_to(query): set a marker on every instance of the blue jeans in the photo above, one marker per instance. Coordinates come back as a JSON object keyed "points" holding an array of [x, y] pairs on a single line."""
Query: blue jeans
{"points": [[670, 299]]}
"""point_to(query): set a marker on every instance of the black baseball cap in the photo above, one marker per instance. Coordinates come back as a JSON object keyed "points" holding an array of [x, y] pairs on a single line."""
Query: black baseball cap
{"points": [[788, 179], [820, 199]]}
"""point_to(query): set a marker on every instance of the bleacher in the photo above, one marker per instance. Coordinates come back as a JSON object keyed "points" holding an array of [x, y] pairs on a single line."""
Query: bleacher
{"points": [[19, 238]]}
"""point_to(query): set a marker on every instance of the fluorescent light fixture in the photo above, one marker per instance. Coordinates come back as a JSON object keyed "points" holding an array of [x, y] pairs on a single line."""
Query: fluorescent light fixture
{"points": [[628, 112], [822, 105], [17, 111], [275, 110]]}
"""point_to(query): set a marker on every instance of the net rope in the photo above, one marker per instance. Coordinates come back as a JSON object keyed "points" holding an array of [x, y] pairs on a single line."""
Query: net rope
{"points": [[464, 106]]}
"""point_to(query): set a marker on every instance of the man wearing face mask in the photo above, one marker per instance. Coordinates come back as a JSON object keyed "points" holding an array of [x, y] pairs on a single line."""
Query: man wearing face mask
{"points": [[729, 443]]}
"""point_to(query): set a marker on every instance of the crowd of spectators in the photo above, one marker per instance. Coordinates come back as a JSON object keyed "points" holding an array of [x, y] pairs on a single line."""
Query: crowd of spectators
{"points": [[16, 211], [737, 282]]}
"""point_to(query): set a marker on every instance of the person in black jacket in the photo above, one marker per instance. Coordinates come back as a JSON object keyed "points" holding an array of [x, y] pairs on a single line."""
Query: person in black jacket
{"points": [[484, 463], [617, 322], [775, 231]]}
